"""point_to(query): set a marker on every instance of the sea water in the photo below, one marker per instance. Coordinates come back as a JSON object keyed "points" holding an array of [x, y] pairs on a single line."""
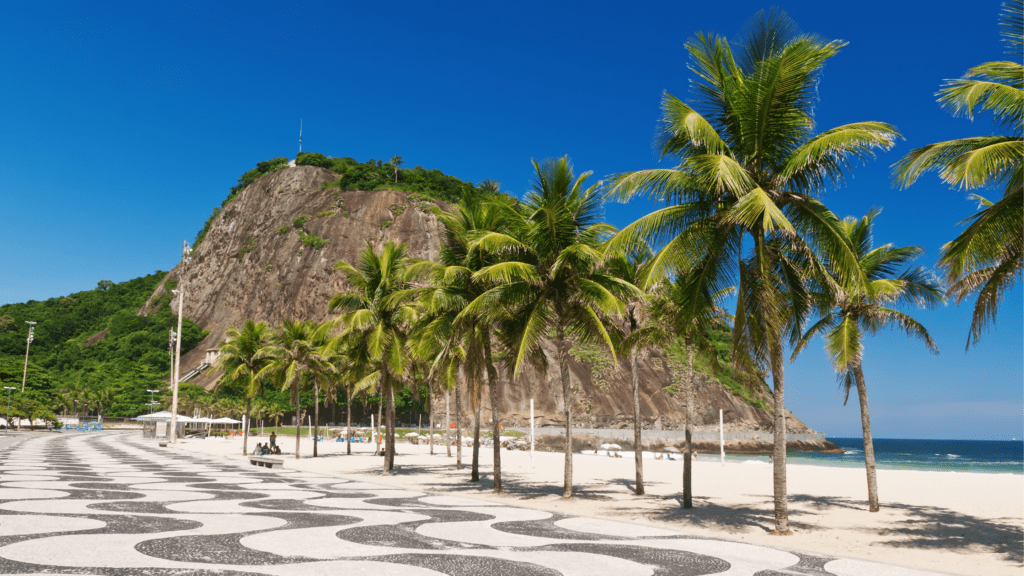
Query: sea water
{"points": [[988, 456]]}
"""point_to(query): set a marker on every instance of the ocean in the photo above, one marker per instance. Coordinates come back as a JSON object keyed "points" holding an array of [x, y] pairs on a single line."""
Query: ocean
{"points": [[987, 456]]}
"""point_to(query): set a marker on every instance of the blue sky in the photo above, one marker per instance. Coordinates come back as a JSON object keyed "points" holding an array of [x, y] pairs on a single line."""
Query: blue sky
{"points": [[124, 125]]}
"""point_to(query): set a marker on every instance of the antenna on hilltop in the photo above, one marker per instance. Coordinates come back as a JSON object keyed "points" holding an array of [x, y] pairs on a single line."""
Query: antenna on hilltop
{"points": [[300, 135]]}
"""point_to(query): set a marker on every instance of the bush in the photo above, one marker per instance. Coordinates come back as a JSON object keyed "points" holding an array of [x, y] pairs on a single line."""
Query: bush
{"points": [[313, 159]]}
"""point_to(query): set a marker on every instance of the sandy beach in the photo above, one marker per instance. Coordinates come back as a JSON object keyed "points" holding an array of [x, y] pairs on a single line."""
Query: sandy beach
{"points": [[959, 523]]}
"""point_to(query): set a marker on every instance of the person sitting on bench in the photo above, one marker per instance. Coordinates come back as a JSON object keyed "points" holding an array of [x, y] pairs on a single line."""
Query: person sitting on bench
{"points": [[258, 449], [265, 450]]}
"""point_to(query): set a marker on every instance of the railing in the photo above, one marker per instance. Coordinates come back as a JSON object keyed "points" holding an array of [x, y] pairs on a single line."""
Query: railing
{"points": [[702, 435]]}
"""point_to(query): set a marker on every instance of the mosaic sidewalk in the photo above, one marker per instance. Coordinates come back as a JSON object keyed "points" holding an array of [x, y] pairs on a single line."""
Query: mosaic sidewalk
{"points": [[114, 504]]}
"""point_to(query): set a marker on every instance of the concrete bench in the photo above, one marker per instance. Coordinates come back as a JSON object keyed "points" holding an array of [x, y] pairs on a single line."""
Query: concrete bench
{"points": [[163, 444], [264, 461]]}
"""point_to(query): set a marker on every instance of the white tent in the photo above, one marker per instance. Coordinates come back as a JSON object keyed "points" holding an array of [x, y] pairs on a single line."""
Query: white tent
{"points": [[162, 416]]}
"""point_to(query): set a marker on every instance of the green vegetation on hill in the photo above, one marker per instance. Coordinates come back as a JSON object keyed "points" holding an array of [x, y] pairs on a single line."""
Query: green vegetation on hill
{"points": [[69, 362], [370, 175]]}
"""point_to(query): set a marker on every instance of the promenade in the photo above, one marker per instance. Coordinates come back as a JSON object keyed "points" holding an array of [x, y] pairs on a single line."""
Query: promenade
{"points": [[112, 503]]}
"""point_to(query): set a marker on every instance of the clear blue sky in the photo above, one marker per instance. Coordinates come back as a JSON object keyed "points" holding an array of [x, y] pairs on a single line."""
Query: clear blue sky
{"points": [[124, 125]]}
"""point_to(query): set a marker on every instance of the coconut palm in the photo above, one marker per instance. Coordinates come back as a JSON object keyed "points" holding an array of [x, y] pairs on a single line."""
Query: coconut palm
{"points": [[749, 169], [378, 313], [396, 161], [453, 285], [552, 278], [294, 358], [641, 334], [849, 312], [242, 357], [986, 258]]}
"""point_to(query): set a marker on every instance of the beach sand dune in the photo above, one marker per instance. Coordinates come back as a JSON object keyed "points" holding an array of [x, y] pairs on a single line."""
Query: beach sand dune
{"points": [[960, 523]]}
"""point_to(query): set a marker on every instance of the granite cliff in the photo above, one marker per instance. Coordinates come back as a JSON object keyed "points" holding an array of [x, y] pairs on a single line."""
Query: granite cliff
{"points": [[270, 255]]}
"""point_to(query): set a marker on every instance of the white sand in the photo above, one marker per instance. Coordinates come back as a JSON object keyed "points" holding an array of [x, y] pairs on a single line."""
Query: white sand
{"points": [[962, 523]]}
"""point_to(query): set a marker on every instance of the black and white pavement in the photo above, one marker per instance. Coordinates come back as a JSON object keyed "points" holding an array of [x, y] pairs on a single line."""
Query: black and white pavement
{"points": [[113, 504]]}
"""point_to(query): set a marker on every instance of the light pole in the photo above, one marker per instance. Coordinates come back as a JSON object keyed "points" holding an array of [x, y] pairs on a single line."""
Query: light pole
{"points": [[28, 344], [180, 293], [151, 401], [7, 428]]}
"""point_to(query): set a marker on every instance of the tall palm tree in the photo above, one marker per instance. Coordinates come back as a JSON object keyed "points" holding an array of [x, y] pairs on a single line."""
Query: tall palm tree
{"points": [[641, 334], [378, 313], [686, 309], [453, 285], [396, 162], [987, 258], [552, 278], [242, 356], [848, 312], [294, 357], [749, 169]]}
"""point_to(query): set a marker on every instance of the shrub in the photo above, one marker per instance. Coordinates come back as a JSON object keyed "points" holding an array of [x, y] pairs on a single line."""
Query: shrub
{"points": [[397, 209], [284, 229], [313, 159], [325, 214], [298, 222], [247, 248], [315, 242], [385, 224]]}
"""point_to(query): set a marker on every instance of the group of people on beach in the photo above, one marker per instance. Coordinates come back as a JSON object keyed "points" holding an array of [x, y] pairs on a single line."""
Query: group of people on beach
{"points": [[270, 448]]}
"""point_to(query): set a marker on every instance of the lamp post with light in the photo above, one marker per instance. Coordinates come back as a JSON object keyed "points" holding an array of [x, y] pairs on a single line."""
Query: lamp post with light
{"points": [[28, 344], [7, 428], [151, 401], [176, 369]]}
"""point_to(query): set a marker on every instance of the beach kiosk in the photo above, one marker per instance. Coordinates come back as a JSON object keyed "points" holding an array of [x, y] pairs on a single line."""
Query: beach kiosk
{"points": [[158, 424]]}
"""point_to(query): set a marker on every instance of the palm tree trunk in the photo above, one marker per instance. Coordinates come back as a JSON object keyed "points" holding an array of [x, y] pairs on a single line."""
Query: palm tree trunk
{"points": [[688, 426], [298, 424], [447, 423], [638, 445], [475, 475], [389, 423], [380, 420], [348, 422], [316, 417], [492, 377], [430, 418], [869, 446], [779, 455], [563, 367], [245, 433], [458, 429]]}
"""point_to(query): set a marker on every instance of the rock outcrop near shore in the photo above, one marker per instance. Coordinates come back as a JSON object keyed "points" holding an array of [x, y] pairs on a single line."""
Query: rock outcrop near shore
{"points": [[270, 255]]}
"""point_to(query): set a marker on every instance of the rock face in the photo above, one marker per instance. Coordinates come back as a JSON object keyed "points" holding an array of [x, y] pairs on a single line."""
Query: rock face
{"points": [[253, 263]]}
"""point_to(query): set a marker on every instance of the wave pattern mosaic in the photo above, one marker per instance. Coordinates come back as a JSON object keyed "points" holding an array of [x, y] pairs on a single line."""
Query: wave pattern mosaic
{"points": [[111, 504]]}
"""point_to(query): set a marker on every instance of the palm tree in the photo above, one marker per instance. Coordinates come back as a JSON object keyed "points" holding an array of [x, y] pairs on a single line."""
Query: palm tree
{"points": [[749, 169], [396, 162], [294, 358], [553, 277], [453, 286], [242, 356], [986, 258], [642, 334], [377, 313], [848, 312], [685, 308]]}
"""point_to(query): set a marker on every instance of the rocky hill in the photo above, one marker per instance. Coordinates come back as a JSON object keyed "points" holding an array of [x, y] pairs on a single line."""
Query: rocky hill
{"points": [[270, 255]]}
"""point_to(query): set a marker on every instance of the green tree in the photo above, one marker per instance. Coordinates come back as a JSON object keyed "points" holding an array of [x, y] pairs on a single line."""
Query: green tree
{"points": [[294, 357], [749, 168], [453, 286], [396, 162], [242, 356], [378, 313], [986, 258], [848, 312], [553, 278]]}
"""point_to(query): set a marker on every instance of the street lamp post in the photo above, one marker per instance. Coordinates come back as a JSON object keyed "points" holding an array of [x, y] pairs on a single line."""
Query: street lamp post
{"points": [[7, 428], [28, 344], [176, 369], [151, 401]]}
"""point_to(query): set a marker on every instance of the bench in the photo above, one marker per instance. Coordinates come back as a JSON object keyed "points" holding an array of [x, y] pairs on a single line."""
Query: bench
{"points": [[264, 461], [163, 444]]}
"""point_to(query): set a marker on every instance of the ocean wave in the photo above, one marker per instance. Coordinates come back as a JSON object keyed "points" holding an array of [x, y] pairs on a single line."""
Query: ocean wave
{"points": [[952, 455]]}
